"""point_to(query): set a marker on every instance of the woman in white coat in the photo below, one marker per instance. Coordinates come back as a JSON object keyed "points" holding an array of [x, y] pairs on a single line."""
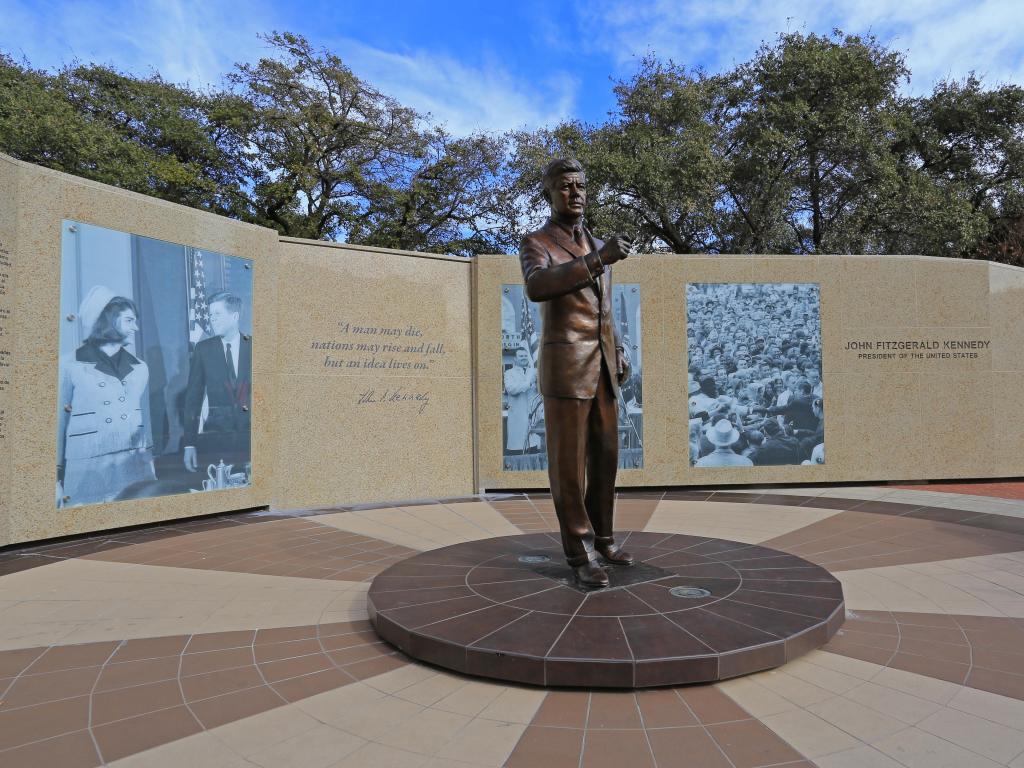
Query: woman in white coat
{"points": [[104, 444]]}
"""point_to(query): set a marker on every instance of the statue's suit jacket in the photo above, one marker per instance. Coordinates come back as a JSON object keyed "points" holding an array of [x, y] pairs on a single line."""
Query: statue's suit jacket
{"points": [[576, 314]]}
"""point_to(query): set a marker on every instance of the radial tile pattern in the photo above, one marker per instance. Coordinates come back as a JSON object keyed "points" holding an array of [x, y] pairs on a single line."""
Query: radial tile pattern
{"points": [[692, 609], [242, 640]]}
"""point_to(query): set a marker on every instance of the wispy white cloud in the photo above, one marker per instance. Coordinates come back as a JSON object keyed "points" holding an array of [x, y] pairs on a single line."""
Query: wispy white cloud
{"points": [[464, 97], [193, 41], [941, 38], [199, 41]]}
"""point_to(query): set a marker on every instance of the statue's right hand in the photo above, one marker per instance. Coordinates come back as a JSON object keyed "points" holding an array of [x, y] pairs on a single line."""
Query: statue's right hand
{"points": [[190, 458], [616, 248]]}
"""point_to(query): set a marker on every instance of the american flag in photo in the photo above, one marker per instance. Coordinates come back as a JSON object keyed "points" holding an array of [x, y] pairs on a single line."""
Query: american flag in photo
{"points": [[198, 309], [528, 330]]}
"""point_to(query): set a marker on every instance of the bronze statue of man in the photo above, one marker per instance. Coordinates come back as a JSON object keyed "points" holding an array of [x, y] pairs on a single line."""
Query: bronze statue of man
{"points": [[582, 363]]}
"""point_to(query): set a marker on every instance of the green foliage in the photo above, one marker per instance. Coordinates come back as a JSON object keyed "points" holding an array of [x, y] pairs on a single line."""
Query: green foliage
{"points": [[808, 147]]}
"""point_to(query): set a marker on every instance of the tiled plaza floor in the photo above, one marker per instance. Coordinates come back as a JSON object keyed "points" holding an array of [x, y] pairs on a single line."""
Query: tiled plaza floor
{"points": [[242, 640]]}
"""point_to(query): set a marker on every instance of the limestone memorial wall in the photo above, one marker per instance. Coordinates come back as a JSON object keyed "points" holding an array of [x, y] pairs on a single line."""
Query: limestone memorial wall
{"points": [[362, 375]]}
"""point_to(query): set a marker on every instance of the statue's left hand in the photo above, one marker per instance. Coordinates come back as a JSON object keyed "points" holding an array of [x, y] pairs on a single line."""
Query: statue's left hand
{"points": [[623, 367]]}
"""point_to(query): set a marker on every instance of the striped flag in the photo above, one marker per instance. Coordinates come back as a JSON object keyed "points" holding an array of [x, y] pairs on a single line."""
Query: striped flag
{"points": [[198, 309], [529, 331]]}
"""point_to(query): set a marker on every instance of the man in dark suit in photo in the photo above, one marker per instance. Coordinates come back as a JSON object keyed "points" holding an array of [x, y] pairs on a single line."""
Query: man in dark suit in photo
{"points": [[582, 365], [220, 374]]}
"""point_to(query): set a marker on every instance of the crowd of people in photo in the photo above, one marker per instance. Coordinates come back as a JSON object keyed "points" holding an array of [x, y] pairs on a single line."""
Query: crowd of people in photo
{"points": [[754, 374]]}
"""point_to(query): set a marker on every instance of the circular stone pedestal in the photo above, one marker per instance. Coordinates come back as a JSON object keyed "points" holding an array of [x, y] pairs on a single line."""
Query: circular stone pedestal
{"points": [[692, 610]]}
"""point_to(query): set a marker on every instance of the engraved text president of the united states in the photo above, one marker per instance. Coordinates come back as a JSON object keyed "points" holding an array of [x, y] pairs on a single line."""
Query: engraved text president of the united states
{"points": [[582, 364]]}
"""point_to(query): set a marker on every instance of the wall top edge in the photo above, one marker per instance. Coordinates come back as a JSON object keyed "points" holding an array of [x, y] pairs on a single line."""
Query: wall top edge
{"points": [[787, 257], [127, 193], [374, 249]]}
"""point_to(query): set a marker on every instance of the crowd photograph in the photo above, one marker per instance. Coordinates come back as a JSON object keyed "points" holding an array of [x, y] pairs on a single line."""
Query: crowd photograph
{"points": [[155, 373], [522, 407], [754, 374]]}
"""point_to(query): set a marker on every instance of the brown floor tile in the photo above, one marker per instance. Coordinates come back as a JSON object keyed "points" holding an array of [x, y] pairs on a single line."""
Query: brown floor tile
{"points": [[563, 709], [664, 709], [73, 656], [150, 648], [1003, 683], [547, 747], [710, 705], [13, 663], [42, 721], [750, 744], [303, 687], [138, 673], [219, 683], [51, 686], [126, 737], [212, 661], [282, 670], [613, 749], [690, 747], [74, 750], [999, 660], [284, 634], [613, 710], [923, 665], [215, 641], [287, 650], [361, 670], [129, 702], [235, 706]]}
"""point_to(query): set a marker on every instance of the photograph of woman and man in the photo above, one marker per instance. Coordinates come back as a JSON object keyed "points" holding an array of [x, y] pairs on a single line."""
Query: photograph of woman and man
{"points": [[155, 368]]}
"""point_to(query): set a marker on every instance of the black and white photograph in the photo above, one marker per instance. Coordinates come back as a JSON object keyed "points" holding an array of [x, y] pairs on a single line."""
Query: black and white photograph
{"points": [[155, 368], [522, 406], [754, 374]]}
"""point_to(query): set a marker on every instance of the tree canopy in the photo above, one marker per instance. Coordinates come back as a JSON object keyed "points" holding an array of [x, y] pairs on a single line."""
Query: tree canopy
{"points": [[811, 146]]}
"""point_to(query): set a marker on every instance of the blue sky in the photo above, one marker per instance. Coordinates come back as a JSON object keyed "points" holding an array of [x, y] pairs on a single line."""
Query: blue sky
{"points": [[498, 66]]}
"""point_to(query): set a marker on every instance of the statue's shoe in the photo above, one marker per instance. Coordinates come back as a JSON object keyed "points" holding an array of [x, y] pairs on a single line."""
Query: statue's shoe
{"points": [[615, 555], [591, 575]]}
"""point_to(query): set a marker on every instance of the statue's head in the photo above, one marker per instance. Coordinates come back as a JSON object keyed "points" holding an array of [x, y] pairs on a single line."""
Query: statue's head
{"points": [[565, 186]]}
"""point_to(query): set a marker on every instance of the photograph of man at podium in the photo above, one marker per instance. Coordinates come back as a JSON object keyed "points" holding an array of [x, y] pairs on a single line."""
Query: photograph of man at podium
{"points": [[219, 391]]}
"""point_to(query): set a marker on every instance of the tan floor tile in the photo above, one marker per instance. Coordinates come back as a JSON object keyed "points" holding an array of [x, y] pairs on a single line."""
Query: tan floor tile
{"points": [[916, 749], [256, 734], [793, 689], [928, 688], [201, 750], [514, 705], [809, 734], [431, 690], [990, 706], [471, 699], [399, 679], [426, 732], [994, 741], [320, 747], [858, 757], [380, 756], [157, 601], [359, 710], [856, 719], [754, 697], [829, 679], [892, 703], [732, 521], [862, 670], [484, 742]]}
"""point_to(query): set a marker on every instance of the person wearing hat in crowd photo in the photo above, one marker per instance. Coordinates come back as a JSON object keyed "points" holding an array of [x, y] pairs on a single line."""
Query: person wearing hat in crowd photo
{"points": [[104, 442], [723, 435]]}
